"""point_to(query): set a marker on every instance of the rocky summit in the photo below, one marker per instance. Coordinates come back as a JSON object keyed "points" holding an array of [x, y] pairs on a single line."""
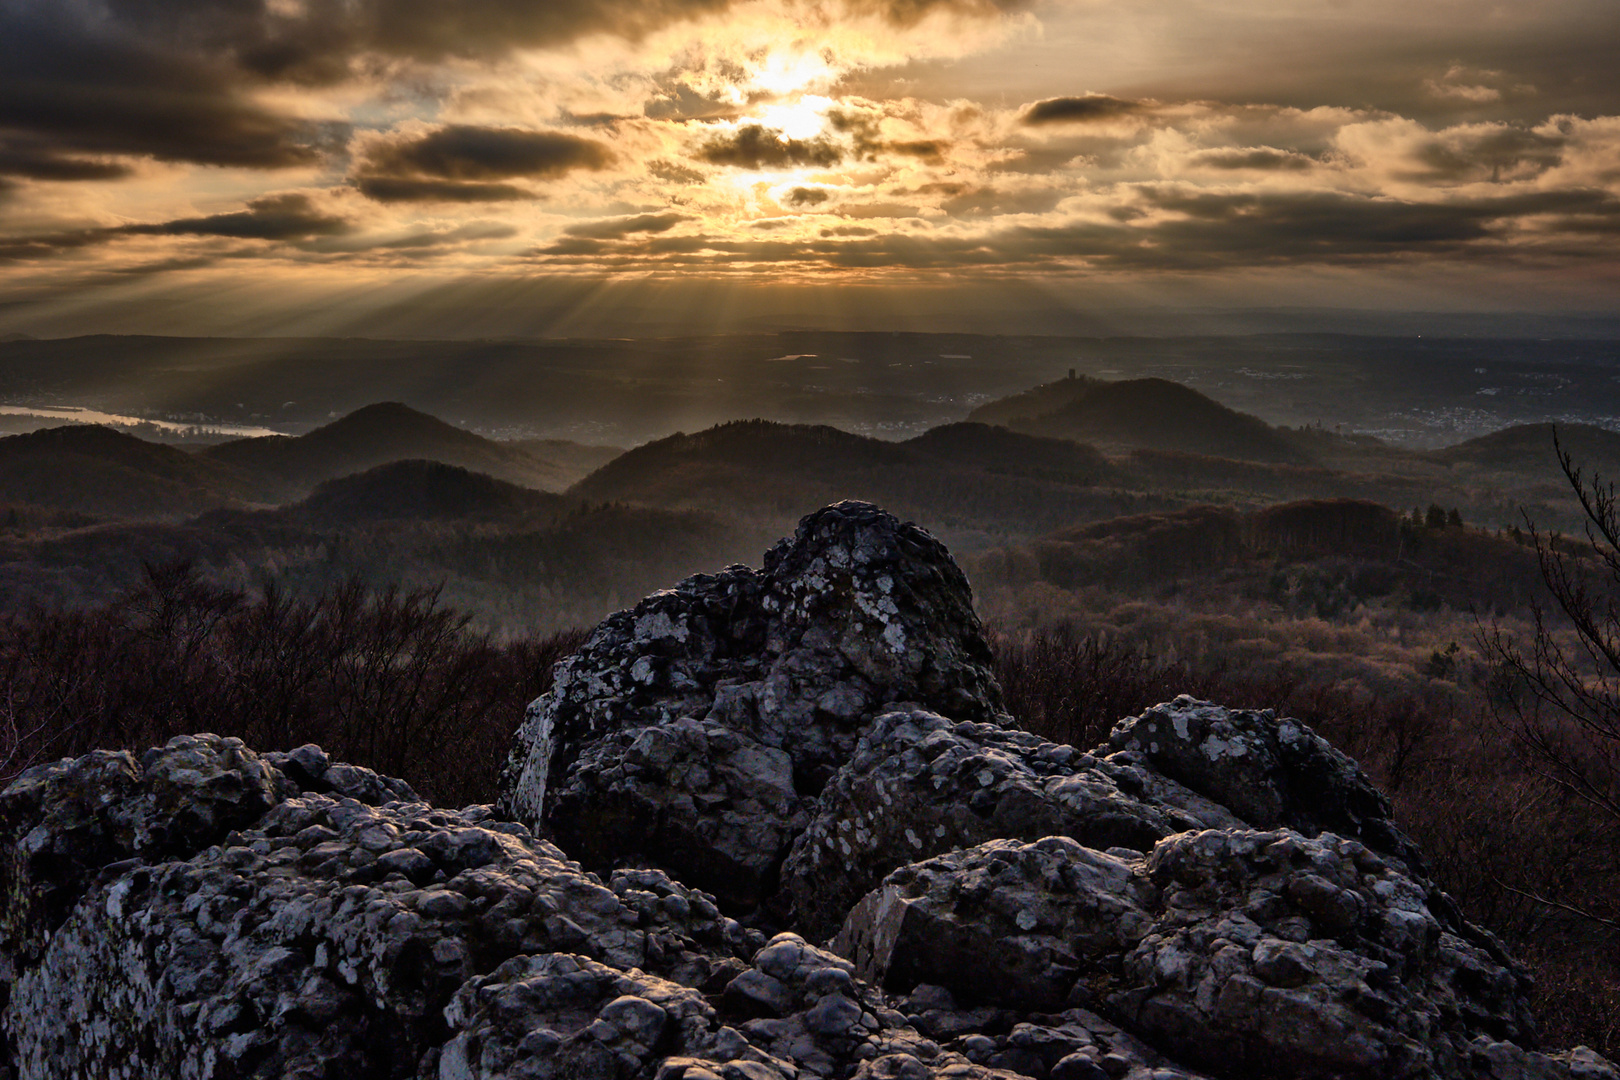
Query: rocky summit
{"points": [[768, 825]]}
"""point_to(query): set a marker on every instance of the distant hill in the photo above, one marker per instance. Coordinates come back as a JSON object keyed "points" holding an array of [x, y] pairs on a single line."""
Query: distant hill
{"points": [[1151, 413], [750, 459], [1373, 553], [1001, 450], [1037, 401], [972, 484], [1528, 448], [422, 491], [98, 471], [290, 467], [574, 461]]}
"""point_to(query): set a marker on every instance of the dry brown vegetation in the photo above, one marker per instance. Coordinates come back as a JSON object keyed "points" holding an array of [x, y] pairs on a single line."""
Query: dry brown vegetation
{"points": [[390, 679]]}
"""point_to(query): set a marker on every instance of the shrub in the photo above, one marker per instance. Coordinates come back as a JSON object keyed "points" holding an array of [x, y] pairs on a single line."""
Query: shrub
{"points": [[390, 679]]}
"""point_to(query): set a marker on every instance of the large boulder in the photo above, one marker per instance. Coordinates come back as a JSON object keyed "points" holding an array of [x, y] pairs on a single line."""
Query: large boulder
{"points": [[1265, 954], [694, 731], [1271, 772], [1215, 890], [920, 784]]}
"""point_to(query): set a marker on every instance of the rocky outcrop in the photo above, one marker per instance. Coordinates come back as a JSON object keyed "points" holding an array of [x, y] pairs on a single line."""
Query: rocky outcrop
{"points": [[928, 891], [1273, 773], [695, 730]]}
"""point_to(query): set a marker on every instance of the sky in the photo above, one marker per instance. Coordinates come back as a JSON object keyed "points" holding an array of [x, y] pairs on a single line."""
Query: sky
{"points": [[549, 166]]}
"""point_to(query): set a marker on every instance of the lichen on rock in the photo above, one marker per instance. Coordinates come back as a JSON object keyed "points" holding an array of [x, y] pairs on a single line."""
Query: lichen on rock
{"points": [[819, 745], [694, 731]]}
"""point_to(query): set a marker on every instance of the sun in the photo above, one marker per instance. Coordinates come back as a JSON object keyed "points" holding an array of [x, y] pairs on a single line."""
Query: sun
{"points": [[803, 118]]}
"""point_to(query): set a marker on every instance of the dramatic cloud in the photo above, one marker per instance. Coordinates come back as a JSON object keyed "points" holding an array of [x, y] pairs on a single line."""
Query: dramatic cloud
{"points": [[36, 163], [458, 163], [1264, 158], [288, 217], [79, 89], [805, 196], [753, 146], [616, 228], [868, 140], [1080, 110], [275, 217]]}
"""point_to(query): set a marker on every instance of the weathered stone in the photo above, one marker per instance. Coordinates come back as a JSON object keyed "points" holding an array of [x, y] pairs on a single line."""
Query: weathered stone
{"points": [[1231, 949], [1273, 773], [1035, 912], [919, 784], [693, 732]]}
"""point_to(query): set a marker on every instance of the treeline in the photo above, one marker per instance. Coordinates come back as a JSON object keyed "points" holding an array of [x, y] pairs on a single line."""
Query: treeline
{"points": [[1373, 551], [387, 678]]}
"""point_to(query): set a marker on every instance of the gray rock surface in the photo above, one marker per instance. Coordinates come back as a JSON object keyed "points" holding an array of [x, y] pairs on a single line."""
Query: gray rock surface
{"points": [[693, 731], [1247, 953], [1272, 773], [1215, 894], [919, 784]]}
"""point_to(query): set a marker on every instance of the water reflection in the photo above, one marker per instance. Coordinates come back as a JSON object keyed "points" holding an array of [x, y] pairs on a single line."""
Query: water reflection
{"points": [[94, 416]]}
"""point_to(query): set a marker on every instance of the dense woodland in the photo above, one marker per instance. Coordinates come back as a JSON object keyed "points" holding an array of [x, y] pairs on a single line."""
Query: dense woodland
{"points": [[397, 589]]}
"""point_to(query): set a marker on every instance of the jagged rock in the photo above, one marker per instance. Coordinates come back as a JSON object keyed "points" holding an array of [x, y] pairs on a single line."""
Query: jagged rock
{"points": [[1249, 953], [693, 732], [1039, 912], [1273, 773], [324, 940], [60, 823], [919, 784]]}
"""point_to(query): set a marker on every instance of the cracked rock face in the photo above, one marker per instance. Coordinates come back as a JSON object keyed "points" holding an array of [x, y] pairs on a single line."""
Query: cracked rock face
{"points": [[919, 785], [1272, 773], [1216, 895], [1247, 953], [694, 731]]}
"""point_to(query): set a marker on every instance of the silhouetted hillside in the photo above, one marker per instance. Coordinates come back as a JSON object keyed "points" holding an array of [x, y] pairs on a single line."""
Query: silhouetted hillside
{"points": [[98, 471], [1002, 450], [573, 461], [422, 491], [1037, 401], [960, 482], [1529, 448], [377, 435], [755, 460], [1163, 415]]}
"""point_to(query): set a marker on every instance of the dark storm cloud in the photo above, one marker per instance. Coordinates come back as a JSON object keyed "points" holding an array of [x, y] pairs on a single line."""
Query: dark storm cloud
{"points": [[36, 163], [807, 196], [1262, 158], [911, 12], [319, 42], [395, 189], [1489, 153], [617, 228], [1207, 232], [1080, 110], [87, 89], [325, 41], [274, 217], [462, 163], [279, 218], [865, 131], [464, 152], [755, 147]]}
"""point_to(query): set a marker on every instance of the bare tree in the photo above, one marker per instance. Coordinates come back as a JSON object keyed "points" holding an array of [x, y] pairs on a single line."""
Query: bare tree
{"points": [[1559, 694]]}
